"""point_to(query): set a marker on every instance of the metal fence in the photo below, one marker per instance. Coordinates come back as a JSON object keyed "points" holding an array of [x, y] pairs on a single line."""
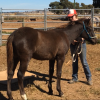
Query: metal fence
{"points": [[8, 13]]}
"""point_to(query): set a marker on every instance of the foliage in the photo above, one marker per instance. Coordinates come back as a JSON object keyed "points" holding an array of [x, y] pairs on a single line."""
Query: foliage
{"points": [[96, 3], [56, 5], [66, 4]]}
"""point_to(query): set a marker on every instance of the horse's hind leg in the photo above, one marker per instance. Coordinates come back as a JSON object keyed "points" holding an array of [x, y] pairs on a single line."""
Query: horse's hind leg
{"points": [[20, 75], [51, 71], [10, 73]]}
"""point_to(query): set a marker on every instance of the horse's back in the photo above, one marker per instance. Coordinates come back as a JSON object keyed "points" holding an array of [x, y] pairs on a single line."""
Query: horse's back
{"points": [[38, 44], [24, 40]]}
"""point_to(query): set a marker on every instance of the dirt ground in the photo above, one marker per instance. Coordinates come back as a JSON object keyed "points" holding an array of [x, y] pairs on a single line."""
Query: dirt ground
{"points": [[37, 87]]}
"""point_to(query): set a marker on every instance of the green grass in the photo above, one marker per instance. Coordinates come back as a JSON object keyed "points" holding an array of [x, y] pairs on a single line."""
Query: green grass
{"points": [[6, 32], [3, 44]]}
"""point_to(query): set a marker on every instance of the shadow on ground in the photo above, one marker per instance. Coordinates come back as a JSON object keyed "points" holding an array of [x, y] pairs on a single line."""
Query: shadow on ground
{"points": [[30, 81]]}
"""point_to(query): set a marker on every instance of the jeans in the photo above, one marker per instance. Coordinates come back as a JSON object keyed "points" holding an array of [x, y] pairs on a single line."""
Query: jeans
{"points": [[83, 61]]}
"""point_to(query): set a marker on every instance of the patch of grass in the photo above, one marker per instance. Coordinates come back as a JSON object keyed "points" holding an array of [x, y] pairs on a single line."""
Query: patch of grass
{"points": [[6, 32], [4, 44], [12, 18], [94, 91], [97, 69], [83, 92]]}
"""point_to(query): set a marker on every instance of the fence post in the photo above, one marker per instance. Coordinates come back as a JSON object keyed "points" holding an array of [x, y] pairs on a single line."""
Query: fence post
{"points": [[22, 22], [0, 26], [45, 19], [92, 15]]}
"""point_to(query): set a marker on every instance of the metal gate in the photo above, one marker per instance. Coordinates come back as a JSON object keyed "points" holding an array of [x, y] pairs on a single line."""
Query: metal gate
{"points": [[0, 27], [44, 14]]}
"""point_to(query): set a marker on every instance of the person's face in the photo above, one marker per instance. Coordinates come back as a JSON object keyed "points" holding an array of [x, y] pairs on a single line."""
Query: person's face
{"points": [[72, 18]]}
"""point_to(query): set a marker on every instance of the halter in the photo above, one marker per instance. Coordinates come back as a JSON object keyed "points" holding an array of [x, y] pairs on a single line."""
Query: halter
{"points": [[87, 31], [81, 44]]}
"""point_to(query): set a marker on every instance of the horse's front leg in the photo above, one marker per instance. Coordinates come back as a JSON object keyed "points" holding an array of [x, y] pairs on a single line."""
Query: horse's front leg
{"points": [[60, 61], [51, 71]]}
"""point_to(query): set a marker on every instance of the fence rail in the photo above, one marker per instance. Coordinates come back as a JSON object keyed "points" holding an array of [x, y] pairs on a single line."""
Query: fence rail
{"points": [[9, 13]]}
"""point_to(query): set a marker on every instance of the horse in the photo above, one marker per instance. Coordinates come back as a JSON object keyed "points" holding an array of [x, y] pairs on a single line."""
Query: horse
{"points": [[26, 43]]}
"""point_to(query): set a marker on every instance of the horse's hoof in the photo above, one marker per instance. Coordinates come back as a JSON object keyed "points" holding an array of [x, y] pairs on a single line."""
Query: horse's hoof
{"points": [[24, 97], [61, 94], [10, 99], [50, 93]]}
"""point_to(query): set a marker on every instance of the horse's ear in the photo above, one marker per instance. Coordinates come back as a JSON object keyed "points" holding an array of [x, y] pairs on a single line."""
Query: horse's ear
{"points": [[88, 21]]}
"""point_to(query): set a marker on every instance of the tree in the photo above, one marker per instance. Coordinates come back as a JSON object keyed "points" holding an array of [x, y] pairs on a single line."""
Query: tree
{"points": [[96, 3], [56, 5], [66, 4], [77, 5], [70, 5], [82, 4]]}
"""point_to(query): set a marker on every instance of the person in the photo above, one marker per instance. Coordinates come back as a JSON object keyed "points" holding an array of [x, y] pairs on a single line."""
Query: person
{"points": [[72, 15]]}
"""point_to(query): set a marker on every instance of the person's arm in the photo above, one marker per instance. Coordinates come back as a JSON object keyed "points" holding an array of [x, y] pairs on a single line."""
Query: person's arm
{"points": [[82, 41]]}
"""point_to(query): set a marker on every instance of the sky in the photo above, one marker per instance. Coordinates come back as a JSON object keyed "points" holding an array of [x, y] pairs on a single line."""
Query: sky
{"points": [[33, 4]]}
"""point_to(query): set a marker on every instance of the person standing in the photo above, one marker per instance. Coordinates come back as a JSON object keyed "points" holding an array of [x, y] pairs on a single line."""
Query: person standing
{"points": [[72, 15]]}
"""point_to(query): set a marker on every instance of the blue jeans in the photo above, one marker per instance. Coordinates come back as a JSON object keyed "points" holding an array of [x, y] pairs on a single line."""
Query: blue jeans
{"points": [[83, 61]]}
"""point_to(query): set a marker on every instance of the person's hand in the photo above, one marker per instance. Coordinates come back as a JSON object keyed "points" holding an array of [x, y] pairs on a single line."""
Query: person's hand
{"points": [[74, 42], [82, 40]]}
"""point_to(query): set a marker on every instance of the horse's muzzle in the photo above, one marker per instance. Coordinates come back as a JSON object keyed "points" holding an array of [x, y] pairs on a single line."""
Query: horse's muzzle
{"points": [[94, 40]]}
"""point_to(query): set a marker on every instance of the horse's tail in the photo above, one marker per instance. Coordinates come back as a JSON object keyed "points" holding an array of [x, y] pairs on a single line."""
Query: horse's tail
{"points": [[10, 53]]}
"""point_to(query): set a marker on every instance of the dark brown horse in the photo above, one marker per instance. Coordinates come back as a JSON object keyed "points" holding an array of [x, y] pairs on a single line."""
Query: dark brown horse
{"points": [[26, 43]]}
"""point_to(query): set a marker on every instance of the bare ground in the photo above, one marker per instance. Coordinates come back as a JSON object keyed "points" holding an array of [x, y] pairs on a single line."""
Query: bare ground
{"points": [[37, 87]]}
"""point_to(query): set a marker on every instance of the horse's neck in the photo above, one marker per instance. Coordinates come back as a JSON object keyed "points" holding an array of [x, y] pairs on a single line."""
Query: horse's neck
{"points": [[73, 33]]}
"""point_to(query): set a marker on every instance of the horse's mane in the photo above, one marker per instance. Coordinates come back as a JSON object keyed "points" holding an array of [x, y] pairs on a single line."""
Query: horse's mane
{"points": [[62, 26], [79, 21]]}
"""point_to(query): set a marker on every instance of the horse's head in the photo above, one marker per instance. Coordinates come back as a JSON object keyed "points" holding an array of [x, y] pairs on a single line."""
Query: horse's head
{"points": [[88, 32]]}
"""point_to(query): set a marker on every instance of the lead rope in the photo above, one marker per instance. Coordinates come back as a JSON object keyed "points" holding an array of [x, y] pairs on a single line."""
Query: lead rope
{"points": [[76, 54], [87, 32], [80, 50]]}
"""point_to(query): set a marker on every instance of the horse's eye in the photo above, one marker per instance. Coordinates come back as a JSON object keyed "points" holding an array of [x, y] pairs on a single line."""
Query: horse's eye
{"points": [[89, 28]]}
